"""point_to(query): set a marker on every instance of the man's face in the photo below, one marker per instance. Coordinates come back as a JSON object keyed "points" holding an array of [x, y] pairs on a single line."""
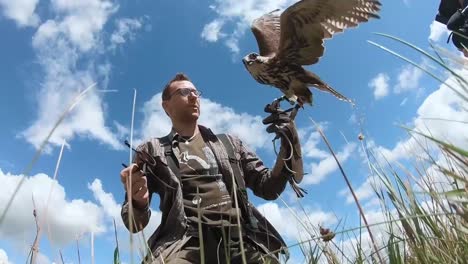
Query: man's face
{"points": [[182, 108]]}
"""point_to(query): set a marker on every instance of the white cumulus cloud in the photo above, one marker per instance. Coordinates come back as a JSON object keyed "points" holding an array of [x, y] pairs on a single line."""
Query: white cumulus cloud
{"points": [[364, 192], [125, 30], [21, 11], [442, 115], [318, 171], [212, 31], [4, 257], [62, 222], [438, 31], [295, 228], [309, 143], [402, 149], [63, 46], [238, 15], [380, 85], [111, 209], [81, 22], [408, 79]]}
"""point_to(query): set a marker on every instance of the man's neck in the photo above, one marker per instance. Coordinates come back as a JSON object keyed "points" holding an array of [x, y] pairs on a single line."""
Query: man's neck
{"points": [[186, 129]]}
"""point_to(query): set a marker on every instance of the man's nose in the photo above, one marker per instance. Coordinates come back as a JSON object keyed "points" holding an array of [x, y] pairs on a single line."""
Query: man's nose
{"points": [[193, 96]]}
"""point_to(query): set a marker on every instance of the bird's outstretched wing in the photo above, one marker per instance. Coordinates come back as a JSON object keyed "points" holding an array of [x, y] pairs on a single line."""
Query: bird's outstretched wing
{"points": [[266, 30], [306, 24]]}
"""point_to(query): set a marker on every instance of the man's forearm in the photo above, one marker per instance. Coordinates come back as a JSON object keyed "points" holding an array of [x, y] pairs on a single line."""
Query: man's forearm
{"points": [[278, 168], [140, 219], [289, 158]]}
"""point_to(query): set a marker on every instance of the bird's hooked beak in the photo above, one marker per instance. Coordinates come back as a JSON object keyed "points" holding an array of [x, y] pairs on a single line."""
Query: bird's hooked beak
{"points": [[246, 62]]}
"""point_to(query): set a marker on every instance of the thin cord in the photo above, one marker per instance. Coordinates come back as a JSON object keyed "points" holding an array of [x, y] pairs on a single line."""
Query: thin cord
{"points": [[217, 250]]}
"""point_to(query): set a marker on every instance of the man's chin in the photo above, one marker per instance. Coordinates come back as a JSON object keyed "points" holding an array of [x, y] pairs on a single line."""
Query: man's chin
{"points": [[192, 118]]}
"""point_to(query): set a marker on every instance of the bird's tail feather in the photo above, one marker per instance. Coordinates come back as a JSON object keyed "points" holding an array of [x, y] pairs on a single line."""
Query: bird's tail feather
{"points": [[313, 80], [326, 88]]}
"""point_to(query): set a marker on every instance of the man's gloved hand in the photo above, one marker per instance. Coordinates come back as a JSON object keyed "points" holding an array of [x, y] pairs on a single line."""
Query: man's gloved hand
{"points": [[458, 19], [281, 122], [278, 119]]}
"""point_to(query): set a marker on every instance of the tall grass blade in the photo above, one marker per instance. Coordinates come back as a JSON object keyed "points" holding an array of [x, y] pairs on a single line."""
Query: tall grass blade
{"points": [[38, 153], [427, 55], [116, 251], [78, 251], [348, 183], [419, 67], [131, 218]]}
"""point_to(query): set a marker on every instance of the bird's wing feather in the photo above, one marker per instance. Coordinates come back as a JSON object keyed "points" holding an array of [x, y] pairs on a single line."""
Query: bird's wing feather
{"points": [[306, 24], [267, 32]]}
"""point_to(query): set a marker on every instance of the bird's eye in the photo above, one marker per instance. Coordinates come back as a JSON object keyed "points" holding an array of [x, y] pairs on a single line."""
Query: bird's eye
{"points": [[253, 56]]}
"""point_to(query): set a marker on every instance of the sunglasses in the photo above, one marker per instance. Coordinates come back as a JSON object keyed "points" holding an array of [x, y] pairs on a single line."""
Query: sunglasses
{"points": [[185, 92]]}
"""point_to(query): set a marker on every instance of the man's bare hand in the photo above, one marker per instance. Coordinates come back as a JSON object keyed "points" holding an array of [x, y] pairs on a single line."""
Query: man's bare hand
{"points": [[139, 184]]}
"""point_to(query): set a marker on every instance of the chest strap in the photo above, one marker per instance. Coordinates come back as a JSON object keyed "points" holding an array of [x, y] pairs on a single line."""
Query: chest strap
{"points": [[241, 189]]}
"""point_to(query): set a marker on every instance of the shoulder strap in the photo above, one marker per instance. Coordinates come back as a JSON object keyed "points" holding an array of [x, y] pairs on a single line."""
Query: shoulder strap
{"points": [[171, 159], [239, 180], [232, 159]]}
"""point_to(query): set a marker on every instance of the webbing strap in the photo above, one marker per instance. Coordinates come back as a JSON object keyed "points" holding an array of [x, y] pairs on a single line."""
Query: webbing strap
{"points": [[239, 180], [171, 159], [242, 191]]}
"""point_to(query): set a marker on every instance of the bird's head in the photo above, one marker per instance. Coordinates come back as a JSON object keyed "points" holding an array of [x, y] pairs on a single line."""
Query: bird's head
{"points": [[250, 59], [254, 62]]}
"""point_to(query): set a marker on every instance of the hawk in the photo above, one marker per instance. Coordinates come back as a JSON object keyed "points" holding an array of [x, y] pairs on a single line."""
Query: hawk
{"points": [[295, 38]]}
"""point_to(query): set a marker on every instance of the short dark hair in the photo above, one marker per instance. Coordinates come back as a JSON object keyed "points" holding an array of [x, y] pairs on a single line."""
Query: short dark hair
{"points": [[180, 76]]}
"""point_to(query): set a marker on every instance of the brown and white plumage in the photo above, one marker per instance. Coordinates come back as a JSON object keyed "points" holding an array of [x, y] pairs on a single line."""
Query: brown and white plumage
{"points": [[295, 38]]}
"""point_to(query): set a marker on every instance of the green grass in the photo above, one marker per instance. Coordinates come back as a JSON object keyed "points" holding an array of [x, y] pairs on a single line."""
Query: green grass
{"points": [[425, 222]]}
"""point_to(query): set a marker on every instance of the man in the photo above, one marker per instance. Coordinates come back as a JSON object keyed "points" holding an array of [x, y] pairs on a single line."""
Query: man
{"points": [[454, 14], [201, 183]]}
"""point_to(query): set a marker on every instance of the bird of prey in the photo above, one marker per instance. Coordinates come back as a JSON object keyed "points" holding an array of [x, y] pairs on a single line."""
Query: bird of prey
{"points": [[296, 37]]}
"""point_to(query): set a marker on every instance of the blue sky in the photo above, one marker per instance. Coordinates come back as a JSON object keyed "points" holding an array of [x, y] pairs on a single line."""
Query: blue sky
{"points": [[51, 50]]}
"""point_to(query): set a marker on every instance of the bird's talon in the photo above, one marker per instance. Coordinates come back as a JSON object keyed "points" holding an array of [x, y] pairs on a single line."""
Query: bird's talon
{"points": [[277, 101], [275, 105], [294, 111]]}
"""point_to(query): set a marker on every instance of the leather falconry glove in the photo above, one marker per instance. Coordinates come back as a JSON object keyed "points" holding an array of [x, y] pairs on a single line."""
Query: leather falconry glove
{"points": [[281, 122]]}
